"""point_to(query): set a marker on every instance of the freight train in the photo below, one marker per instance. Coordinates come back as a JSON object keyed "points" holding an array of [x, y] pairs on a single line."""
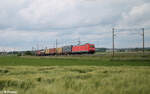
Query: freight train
{"points": [[68, 50]]}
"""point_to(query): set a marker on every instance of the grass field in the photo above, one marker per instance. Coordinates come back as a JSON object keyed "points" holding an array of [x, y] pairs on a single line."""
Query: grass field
{"points": [[122, 74], [118, 60]]}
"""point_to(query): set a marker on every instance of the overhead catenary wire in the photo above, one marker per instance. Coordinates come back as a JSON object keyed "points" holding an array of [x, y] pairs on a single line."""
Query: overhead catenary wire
{"points": [[128, 29]]}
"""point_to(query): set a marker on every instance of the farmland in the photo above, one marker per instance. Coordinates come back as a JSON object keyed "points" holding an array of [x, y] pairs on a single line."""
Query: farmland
{"points": [[122, 74]]}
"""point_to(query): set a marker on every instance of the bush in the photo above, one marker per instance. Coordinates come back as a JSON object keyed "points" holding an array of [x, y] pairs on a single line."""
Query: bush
{"points": [[19, 54]]}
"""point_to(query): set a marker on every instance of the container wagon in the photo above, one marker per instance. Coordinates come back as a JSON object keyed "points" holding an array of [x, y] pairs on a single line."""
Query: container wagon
{"points": [[67, 50], [59, 51], [52, 51], [47, 52]]}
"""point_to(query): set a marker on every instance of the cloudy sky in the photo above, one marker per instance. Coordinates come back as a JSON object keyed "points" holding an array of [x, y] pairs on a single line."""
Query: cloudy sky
{"points": [[26, 23]]}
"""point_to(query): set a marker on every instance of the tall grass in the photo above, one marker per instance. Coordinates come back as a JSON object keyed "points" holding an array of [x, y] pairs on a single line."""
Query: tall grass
{"points": [[75, 80]]}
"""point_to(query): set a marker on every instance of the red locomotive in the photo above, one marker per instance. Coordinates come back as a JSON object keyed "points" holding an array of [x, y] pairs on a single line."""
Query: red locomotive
{"points": [[86, 48]]}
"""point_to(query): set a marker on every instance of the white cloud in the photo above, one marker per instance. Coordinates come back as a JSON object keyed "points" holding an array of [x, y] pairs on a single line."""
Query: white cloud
{"points": [[137, 16]]}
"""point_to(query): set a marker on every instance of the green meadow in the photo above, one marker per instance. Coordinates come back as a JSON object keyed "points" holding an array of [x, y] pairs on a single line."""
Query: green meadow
{"points": [[84, 74]]}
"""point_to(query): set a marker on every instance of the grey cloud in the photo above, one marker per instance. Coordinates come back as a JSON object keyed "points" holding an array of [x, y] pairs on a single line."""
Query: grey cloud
{"points": [[69, 19], [54, 14]]}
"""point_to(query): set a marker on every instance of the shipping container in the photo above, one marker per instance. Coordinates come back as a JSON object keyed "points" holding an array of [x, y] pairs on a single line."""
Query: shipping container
{"points": [[52, 51], [59, 50], [38, 53], [67, 49], [42, 52], [47, 52]]}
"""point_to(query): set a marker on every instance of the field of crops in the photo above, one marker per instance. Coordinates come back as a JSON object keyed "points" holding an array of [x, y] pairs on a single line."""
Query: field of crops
{"points": [[123, 74]]}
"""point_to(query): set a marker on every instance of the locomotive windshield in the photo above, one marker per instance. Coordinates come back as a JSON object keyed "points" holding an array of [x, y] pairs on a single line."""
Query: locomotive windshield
{"points": [[92, 46]]}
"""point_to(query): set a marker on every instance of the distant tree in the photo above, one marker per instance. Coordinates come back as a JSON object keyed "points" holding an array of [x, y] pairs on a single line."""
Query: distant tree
{"points": [[28, 53], [101, 49]]}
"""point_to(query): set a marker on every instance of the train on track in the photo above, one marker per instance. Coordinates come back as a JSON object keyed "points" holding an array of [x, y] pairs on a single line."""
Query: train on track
{"points": [[68, 50]]}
